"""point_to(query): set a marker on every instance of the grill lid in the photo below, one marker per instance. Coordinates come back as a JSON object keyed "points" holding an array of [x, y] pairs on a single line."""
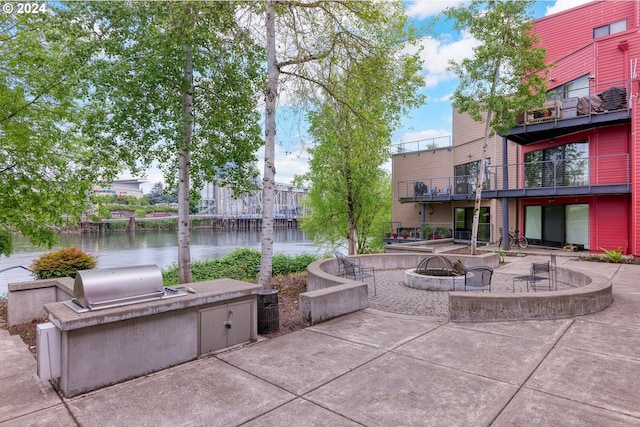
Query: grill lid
{"points": [[113, 287]]}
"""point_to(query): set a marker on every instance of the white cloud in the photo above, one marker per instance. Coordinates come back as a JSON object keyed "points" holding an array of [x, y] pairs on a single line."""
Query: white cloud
{"points": [[288, 163], [436, 54], [561, 5], [421, 9]]}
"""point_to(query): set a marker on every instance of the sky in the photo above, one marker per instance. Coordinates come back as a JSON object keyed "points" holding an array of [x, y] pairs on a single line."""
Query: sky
{"points": [[431, 120]]}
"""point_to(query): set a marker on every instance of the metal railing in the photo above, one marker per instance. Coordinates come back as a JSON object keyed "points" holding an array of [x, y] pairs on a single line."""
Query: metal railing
{"points": [[423, 144], [590, 171], [580, 101], [408, 230]]}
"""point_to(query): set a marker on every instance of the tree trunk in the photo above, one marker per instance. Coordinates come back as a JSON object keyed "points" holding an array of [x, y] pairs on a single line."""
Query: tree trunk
{"points": [[483, 162], [268, 182], [353, 237], [479, 184], [184, 228]]}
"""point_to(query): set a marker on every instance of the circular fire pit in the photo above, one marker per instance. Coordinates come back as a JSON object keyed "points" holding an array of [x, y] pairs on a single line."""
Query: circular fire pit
{"points": [[434, 273]]}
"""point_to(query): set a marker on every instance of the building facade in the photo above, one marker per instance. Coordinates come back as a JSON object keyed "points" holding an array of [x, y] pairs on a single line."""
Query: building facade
{"points": [[121, 187], [565, 175]]}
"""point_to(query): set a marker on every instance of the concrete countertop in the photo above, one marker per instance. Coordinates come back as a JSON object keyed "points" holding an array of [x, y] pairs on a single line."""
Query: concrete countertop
{"points": [[207, 292]]}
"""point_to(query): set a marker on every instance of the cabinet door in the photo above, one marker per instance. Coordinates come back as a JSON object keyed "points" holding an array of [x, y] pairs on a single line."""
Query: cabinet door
{"points": [[213, 332], [241, 318]]}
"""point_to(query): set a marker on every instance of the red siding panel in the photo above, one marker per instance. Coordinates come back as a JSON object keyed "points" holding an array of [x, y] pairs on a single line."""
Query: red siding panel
{"points": [[610, 229]]}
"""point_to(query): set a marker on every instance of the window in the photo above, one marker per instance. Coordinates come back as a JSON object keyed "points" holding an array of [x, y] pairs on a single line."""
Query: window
{"points": [[574, 89], [464, 223], [466, 177], [605, 30], [562, 166]]}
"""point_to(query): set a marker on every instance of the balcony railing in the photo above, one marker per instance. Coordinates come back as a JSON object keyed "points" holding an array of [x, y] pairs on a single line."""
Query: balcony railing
{"points": [[584, 173], [580, 101], [423, 144], [413, 231], [410, 230]]}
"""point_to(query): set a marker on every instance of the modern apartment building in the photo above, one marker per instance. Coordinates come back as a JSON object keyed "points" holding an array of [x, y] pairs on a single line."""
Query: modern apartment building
{"points": [[567, 173]]}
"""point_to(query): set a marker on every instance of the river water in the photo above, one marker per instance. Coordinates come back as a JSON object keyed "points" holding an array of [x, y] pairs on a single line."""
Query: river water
{"points": [[151, 247]]}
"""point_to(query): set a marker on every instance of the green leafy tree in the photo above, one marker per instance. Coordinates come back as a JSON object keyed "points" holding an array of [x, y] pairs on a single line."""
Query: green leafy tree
{"points": [[175, 82], [352, 132], [43, 169], [157, 194], [315, 40], [506, 75]]}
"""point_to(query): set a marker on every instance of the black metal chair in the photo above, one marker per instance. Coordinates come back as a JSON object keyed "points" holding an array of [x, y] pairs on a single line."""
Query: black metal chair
{"points": [[357, 272], [540, 272], [554, 272], [341, 257], [478, 279]]}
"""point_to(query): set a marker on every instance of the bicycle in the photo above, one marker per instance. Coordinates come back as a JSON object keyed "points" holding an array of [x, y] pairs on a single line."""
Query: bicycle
{"points": [[515, 238]]}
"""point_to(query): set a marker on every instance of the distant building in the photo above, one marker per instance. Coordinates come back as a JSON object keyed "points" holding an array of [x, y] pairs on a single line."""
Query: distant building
{"points": [[222, 201], [121, 187]]}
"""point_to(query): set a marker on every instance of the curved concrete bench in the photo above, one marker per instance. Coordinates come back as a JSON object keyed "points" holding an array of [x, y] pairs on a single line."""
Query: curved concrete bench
{"points": [[592, 294], [329, 295]]}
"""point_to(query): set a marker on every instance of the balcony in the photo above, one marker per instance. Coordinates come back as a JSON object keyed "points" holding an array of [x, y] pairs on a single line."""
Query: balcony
{"points": [[593, 106], [461, 187], [566, 177], [408, 231]]}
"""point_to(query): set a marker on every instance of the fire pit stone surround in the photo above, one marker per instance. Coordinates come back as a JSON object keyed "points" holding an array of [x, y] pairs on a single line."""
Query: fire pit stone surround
{"points": [[436, 273]]}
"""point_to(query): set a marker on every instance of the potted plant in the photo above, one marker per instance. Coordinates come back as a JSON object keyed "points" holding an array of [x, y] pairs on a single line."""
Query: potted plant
{"points": [[395, 235], [405, 235], [427, 231]]}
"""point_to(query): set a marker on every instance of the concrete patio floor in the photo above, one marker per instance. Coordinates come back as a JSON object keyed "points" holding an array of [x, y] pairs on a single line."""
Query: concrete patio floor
{"points": [[377, 367]]}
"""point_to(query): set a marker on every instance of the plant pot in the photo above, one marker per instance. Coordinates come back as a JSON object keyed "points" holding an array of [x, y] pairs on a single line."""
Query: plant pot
{"points": [[395, 235], [404, 236]]}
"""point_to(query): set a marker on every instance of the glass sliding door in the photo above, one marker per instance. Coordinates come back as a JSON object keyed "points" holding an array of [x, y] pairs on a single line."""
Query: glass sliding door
{"points": [[557, 225], [533, 223], [561, 166], [577, 225]]}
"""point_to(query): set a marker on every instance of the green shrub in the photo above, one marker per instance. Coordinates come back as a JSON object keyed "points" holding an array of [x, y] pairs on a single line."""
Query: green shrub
{"points": [[285, 264], [240, 264], [613, 255], [62, 263]]}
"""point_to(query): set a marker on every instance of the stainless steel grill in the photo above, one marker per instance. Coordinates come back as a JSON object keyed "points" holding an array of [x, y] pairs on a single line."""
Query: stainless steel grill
{"points": [[114, 287]]}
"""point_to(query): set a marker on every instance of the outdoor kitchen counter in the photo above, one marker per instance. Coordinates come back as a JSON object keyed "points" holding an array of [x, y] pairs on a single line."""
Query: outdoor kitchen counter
{"points": [[85, 351], [207, 292]]}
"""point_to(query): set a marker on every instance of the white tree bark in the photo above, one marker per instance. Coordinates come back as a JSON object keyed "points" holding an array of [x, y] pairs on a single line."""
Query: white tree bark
{"points": [[268, 182], [184, 226]]}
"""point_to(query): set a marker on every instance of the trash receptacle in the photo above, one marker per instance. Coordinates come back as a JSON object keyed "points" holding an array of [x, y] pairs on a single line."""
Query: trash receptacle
{"points": [[268, 315]]}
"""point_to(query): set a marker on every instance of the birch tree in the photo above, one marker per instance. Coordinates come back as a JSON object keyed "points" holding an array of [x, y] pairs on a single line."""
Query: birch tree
{"points": [[506, 75], [176, 84], [306, 42]]}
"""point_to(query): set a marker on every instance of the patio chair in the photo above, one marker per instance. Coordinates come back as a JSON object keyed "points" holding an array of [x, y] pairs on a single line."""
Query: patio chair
{"points": [[340, 257], [554, 272], [359, 273], [540, 272], [420, 189], [478, 279]]}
